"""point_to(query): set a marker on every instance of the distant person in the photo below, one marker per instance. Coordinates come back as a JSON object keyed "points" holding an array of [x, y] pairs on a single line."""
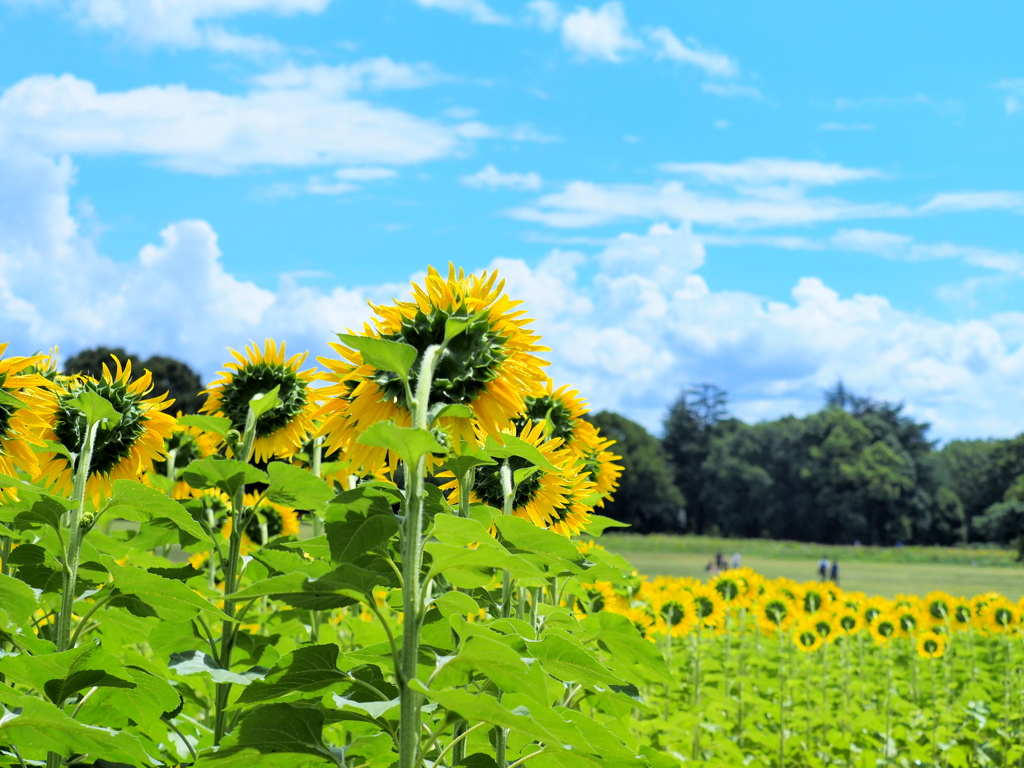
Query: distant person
{"points": [[835, 572], [735, 559], [719, 561], [823, 568]]}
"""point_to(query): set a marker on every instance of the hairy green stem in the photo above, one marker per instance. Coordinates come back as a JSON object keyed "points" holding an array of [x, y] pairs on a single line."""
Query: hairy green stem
{"points": [[410, 710], [508, 495]]}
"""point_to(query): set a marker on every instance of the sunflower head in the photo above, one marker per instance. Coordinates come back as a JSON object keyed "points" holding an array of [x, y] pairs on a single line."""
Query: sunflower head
{"points": [[562, 413], [490, 366], [125, 449], [884, 628], [25, 405], [931, 645], [806, 637], [285, 427], [185, 445]]}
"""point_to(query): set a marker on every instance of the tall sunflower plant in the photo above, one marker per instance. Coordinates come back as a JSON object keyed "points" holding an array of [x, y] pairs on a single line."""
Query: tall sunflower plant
{"points": [[361, 566]]}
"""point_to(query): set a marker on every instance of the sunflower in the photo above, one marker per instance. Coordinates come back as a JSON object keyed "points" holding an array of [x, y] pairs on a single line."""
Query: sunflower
{"points": [[673, 607], [711, 608], [547, 499], [601, 596], [871, 609], [931, 645], [601, 465], [25, 404], [1001, 616], [849, 621], [961, 614], [642, 620], [562, 413], [491, 366], [728, 585], [814, 598], [807, 637], [825, 625], [909, 618], [937, 608], [185, 445], [884, 628], [773, 612], [125, 450], [285, 427]]}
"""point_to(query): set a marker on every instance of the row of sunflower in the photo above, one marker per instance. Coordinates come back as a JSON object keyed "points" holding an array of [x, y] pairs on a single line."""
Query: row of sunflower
{"points": [[811, 614], [159, 559]]}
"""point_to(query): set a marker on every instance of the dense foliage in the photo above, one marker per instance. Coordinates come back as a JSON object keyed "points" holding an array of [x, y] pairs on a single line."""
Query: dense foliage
{"points": [[858, 470]]}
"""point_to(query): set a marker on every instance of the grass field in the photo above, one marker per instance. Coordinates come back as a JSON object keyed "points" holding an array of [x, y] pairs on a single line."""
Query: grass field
{"points": [[873, 570]]}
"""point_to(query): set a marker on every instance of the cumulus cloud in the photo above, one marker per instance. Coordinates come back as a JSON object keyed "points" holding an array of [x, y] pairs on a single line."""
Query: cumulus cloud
{"points": [[1013, 101], [585, 204], [671, 47], [897, 246], [733, 91], [599, 34], [293, 121], [188, 23], [490, 177], [477, 10], [995, 200], [545, 14], [630, 325], [760, 171]]}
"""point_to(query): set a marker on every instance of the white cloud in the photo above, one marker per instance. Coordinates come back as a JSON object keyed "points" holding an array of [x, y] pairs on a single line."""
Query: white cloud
{"points": [[477, 10], [210, 132], [630, 326], [365, 174], [751, 204], [1013, 102], [545, 14], [670, 47], [732, 91], [599, 34], [379, 74], [761, 171], [188, 23], [896, 246], [490, 177], [847, 127], [996, 200]]}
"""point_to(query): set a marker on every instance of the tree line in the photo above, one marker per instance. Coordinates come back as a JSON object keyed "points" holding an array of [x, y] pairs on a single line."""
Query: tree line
{"points": [[857, 470]]}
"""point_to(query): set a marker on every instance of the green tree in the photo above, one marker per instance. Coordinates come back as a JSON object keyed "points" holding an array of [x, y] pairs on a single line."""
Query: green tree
{"points": [[169, 375], [648, 498], [689, 427]]}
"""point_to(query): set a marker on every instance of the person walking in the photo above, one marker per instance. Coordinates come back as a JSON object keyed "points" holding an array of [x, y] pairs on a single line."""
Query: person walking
{"points": [[835, 572], [735, 559], [823, 568]]}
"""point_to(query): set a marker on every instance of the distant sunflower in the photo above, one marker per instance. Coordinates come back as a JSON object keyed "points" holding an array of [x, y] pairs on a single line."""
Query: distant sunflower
{"points": [[675, 611], [931, 645], [711, 608], [268, 522], [728, 585], [773, 612], [961, 614], [884, 628], [814, 598], [490, 367], [909, 619], [849, 621], [547, 499], [806, 636], [601, 464], [562, 413], [824, 624], [25, 404], [125, 450], [283, 430], [1002, 616], [185, 445], [937, 608]]}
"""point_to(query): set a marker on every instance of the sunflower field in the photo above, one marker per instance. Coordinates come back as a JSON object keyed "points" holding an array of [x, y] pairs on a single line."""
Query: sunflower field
{"points": [[390, 559]]}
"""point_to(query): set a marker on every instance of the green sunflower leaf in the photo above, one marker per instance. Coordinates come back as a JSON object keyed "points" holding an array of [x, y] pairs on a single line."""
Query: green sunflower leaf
{"points": [[273, 729], [598, 524], [6, 481], [40, 727], [61, 675], [357, 521], [227, 475], [94, 407], [409, 443], [199, 663], [305, 673], [453, 326], [515, 446], [297, 488], [18, 600], [393, 356], [147, 594], [264, 402], [140, 504], [218, 425], [524, 535]]}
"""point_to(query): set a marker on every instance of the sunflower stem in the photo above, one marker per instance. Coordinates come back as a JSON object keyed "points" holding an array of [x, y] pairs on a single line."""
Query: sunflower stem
{"points": [[411, 715], [239, 520], [74, 550], [508, 496], [315, 467]]}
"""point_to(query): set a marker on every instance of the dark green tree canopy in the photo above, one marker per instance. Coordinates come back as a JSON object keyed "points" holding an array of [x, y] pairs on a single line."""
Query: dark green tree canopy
{"points": [[648, 498], [169, 375]]}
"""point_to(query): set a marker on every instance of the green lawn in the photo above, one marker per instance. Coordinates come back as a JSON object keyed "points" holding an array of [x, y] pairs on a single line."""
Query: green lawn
{"points": [[874, 570]]}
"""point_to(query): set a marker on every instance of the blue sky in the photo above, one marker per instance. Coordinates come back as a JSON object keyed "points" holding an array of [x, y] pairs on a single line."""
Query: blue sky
{"points": [[769, 196]]}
